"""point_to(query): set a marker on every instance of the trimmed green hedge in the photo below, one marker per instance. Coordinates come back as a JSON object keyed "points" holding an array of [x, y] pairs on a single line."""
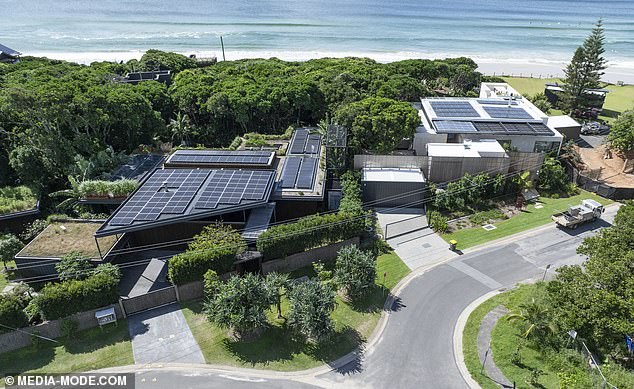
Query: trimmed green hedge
{"points": [[191, 266], [310, 232], [66, 298], [12, 313], [351, 192]]}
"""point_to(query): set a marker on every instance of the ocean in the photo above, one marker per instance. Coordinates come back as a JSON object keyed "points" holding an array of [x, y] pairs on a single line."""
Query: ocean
{"points": [[541, 32]]}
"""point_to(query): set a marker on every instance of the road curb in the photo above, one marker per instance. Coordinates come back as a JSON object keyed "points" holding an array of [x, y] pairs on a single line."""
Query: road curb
{"points": [[458, 352]]}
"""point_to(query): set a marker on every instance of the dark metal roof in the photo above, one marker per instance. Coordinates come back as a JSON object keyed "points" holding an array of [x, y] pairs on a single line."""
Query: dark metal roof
{"points": [[8, 51], [170, 196]]}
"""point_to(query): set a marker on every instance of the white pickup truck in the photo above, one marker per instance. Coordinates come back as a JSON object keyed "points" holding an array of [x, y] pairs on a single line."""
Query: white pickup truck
{"points": [[588, 210]]}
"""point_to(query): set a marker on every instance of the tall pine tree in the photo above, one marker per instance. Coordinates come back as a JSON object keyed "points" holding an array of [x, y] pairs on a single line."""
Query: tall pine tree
{"points": [[586, 68]]}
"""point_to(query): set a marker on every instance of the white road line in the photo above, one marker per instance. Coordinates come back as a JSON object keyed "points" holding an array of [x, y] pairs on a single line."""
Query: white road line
{"points": [[475, 274], [245, 379]]}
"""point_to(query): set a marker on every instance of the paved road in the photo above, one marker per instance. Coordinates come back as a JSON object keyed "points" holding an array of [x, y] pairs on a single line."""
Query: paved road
{"points": [[416, 348]]}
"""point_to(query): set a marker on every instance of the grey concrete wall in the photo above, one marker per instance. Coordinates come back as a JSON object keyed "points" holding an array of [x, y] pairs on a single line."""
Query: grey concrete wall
{"points": [[192, 291], [299, 260], [149, 300], [51, 329]]}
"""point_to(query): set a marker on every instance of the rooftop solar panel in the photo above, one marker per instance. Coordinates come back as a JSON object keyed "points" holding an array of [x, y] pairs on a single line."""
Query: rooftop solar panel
{"points": [[306, 175], [507, 112], [448, 126], [453, 109], [169, 193], [220, 157], [290, 171], [541, 129], [298, 143], [313, 143]]}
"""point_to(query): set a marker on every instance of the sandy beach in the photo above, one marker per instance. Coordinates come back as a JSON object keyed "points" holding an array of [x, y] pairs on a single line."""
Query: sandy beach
{"points": [[519, 67]]}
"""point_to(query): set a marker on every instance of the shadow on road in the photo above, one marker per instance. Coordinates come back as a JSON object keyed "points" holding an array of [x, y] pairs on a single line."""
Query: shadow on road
{"points": [[595, 225]]}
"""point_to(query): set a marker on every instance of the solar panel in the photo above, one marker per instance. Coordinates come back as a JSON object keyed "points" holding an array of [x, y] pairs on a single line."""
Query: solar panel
{"points": [[541, 129], [313, 143], [507, 112], [490, 127], [233, 186], [290, 170], [448, 126], [453, 109], [221, 157], [306, 175], [518, 128], [298, 143]]}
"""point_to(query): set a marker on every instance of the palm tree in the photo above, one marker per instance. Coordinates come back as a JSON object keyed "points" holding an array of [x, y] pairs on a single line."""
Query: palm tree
{"points": [[181, 128], [536, 319], [72, 196], [277, 282], [524, 183]]}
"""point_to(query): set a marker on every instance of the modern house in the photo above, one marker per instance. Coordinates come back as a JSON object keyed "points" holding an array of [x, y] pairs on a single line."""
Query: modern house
{"points": [[164, 76], [9, 55]]}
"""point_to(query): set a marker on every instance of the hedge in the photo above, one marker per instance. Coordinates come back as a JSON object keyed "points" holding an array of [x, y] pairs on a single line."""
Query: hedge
{"points": [[66, 298], [310, 232], [351, 192], [12, 313], [191, 266]]}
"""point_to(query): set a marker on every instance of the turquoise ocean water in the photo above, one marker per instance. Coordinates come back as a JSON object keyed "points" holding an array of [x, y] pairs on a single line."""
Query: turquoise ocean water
{"points": [[543, 30]]}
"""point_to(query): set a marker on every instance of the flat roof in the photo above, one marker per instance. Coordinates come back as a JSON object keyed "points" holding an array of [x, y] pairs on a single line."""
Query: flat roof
{"points": [[488, 148], [174, 195], [303, 142], [220, 158], [393, 175], [562, 121]]}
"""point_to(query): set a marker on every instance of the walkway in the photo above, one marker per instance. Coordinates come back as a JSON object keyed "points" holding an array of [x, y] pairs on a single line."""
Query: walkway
{"points": [[162, 335], [484, 344]]}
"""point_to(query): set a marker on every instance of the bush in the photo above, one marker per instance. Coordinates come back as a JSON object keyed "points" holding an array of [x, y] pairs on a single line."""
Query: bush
{"points": [[351, 193], [240, 304], [438, 222], [68, 297], [69, 328], [484, 217], [73, 266], [211, 283], [311, 305], [33, 230], [355, 271], [9, 247], [112, 189], [214, 248], [16, 199], [553, 177], [12, 313], [310, 232]]}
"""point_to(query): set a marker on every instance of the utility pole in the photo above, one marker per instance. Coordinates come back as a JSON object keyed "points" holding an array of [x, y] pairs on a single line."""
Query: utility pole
{"points": [[222, 44]]}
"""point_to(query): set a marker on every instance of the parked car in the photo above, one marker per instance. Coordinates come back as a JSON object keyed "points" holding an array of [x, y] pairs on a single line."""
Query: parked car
{"points": [[587, 211], [594, 128]]}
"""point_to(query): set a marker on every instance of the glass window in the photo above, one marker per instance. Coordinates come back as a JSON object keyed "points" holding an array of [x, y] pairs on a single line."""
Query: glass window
{"points": [[545, 146]]}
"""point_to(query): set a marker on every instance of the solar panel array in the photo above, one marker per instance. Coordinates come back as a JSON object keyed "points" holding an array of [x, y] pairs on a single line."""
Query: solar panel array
{"points": [[454, 109], [511, 128], [507, 112], [221, 157], [304, 143], [170, 192], [299, 172]]}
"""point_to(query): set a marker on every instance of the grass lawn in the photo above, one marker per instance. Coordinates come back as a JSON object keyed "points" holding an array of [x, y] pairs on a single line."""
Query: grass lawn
{"points": [[3, 276], [505, 338], [530, 217], [93, 349], [61, 238], [275, 349], [620, 98]]}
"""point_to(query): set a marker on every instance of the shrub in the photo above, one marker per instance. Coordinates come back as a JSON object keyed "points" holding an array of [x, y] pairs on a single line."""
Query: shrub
{"points": [[311, 305], [69, 328], [211, 283], [12, 313], [73, 266], [438, 222], [16, 199], [484, 217], [240, 304], [310, 232], [214, 248], [351, 193], [9, 247], [553, 177], [33, 230], [120, 188], [355, 271], [68, 297]]}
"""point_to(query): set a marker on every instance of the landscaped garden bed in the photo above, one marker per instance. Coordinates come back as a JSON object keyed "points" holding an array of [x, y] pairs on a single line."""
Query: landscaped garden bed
{"points": [[61, 238], [16, 199], [531, 216], [277, 349]]}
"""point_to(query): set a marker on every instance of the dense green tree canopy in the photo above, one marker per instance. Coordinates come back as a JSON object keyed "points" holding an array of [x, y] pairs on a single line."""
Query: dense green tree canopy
{"points": [[378, 124], [621, 136]]}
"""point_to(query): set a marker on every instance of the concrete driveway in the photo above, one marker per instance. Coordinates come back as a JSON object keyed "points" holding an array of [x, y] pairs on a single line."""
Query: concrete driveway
{"points": [[162, 335]]}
